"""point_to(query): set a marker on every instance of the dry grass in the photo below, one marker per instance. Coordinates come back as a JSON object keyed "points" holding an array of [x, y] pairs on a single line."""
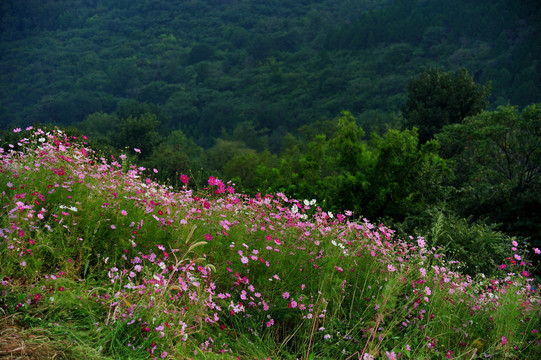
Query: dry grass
{"points": [[20, 342]]}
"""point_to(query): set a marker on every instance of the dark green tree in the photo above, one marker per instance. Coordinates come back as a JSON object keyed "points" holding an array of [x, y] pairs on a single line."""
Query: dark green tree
{"points": [[199, 53], [497, 162], [347, 142], [347, 176], [138, 132], [404, 178], [222, 152], [437, 98], [176, 155], [99, 126], [241, 169]]}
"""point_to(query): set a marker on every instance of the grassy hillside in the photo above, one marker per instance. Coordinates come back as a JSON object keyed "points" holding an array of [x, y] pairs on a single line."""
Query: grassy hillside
{"points": [[101, 262]]}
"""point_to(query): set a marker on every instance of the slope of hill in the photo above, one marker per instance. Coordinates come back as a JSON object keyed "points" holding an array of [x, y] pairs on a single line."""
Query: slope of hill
{"points": [[99, 261]]}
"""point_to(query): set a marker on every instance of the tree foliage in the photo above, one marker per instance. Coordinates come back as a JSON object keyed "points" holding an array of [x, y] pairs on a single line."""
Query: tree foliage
{"points": [[497, 161], [480, 247], [437, 98], [406, 178], [138, 132], [285, 63]]}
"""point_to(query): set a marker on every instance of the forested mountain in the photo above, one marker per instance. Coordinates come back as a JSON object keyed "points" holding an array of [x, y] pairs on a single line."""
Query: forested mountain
{"points": [[279, 64], [64, 60]]}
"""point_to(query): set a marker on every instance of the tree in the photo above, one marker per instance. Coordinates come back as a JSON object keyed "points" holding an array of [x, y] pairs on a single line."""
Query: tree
{"points": [[497, 161], [124, 77], [222, 152], [347, 142], [199, 53], [98, 126], [346, 181], [437, 98], [137, 109], [404, 178], [138, 132], [241, 169], [177, 154]]}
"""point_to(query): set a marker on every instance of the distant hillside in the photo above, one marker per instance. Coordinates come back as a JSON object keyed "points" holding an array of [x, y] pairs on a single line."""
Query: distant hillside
{"points": [[209, 65]]}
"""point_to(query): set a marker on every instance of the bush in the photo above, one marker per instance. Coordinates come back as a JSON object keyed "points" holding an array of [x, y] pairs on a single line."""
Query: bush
{"points": [[480, 247]]}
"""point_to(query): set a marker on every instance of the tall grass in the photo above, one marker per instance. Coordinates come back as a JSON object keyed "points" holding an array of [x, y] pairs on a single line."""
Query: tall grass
{"points": [[117, 266]]}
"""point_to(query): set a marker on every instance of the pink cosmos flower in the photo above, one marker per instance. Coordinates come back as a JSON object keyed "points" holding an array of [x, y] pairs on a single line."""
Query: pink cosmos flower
{"points": [[537, 251], [504, 340], [514, 243], [391, 268], [208, 237], [136, 150], [285, 295], [124, 212], [391, 355], [213, 181], [184, 178]]}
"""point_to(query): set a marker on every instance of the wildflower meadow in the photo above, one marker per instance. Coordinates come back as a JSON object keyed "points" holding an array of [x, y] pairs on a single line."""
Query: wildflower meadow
{"points": [[98, 261]]}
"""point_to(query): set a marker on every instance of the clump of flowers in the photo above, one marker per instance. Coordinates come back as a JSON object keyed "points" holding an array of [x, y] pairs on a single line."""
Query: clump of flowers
{"points": [[183, 273]]}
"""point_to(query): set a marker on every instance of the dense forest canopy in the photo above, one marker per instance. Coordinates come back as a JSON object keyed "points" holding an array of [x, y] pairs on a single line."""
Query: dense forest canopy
{"points": [[279, 64], [423, 113]]}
